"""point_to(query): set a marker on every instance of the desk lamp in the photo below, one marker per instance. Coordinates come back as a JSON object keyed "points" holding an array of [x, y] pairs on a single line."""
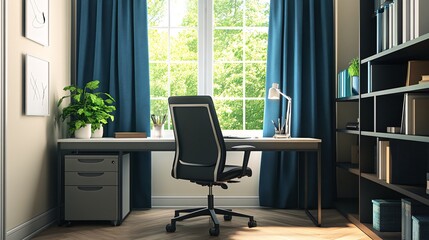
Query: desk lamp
{"points": [[274, 94]]}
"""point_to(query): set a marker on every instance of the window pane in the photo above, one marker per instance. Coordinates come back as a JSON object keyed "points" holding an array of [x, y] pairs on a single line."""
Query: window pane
{"points": [[256, 44], [184, 13], [158, 44], [157, 13], [255, 80], [158, 79], [184, 44], [184, 79], [230, 114], [228, 80], [257, 12], [228, 45], [228, 13], [254, 114]]}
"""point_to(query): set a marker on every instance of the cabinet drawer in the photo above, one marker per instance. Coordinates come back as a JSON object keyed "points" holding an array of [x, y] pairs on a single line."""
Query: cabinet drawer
{"points": [[91, 178], [91, 203], [91, 163]]}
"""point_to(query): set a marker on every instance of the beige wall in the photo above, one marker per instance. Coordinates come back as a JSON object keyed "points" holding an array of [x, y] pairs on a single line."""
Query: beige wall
{"points": [[30, 140]]}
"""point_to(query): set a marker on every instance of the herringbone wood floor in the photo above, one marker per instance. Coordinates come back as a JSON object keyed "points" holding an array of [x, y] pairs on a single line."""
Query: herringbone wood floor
{"points": [[272, 224]]}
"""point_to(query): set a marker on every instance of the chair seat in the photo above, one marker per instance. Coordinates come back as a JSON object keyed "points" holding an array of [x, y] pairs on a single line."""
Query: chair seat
{"points": [[233, 171]]}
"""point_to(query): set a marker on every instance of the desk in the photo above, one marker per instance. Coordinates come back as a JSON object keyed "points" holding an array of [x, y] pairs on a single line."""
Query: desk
{"points": [[120, 145]]}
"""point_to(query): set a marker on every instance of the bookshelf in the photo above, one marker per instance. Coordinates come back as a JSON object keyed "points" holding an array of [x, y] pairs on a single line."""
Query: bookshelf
{"points": [[379, 105]]}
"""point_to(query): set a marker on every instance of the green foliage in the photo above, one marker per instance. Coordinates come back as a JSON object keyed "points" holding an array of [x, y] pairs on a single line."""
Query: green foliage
{"points": [[354, 67], [239, 57], [87, 107]]}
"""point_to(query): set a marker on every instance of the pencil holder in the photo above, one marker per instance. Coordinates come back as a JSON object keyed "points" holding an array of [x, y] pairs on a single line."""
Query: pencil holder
{"points": [[157, 131]]}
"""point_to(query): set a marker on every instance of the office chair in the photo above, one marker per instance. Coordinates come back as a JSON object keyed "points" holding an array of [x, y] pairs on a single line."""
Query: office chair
{"points": [[200, 156]]}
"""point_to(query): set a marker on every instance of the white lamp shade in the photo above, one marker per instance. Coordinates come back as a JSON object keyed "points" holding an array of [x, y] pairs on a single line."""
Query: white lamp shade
{"points": [[273, 92]]}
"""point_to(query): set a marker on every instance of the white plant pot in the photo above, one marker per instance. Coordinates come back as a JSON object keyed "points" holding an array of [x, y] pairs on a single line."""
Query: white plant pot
{"points": [[83, 132], [98, 133]]}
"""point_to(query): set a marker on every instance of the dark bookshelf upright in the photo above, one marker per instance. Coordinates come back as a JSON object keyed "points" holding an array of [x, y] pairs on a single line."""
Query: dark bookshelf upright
{"points": [[379, 105]]}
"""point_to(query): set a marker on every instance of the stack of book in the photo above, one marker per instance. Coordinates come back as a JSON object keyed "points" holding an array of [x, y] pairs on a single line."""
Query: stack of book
{"points": [[344, 86], [425, 79], [399, 21], [420, 227], [386, 215]]}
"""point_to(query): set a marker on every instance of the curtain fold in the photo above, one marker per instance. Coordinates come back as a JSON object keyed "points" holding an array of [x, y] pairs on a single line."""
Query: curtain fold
{"points": [[300, 59], [112, 46]]}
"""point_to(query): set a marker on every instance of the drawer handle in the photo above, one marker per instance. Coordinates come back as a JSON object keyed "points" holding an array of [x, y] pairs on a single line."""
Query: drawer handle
{"points": [[83, 160], [90, 188], [91, 174]]}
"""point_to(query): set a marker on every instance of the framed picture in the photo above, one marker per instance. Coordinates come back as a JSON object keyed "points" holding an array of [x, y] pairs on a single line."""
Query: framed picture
{"points": [[36, 86], [37, 21]]}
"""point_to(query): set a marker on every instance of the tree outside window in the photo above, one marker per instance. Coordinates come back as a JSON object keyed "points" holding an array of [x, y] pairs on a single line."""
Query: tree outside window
{"points": [[212, 47]]}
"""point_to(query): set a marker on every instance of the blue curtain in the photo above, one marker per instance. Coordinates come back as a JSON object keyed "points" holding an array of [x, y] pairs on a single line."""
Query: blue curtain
{"points": [[300, 59], [112, 46]]}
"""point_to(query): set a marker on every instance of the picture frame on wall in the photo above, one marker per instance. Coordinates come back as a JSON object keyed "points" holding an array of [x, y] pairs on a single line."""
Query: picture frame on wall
{"points": [[37, 21], [36, 86]]}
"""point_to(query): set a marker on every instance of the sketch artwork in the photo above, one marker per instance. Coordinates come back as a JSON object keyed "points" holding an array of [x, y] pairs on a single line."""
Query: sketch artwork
{"points": [[37, 21], [36, 86]]}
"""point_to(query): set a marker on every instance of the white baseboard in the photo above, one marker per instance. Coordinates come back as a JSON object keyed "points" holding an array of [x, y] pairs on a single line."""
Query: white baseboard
{"points": [[33, 226], [192, 201]]}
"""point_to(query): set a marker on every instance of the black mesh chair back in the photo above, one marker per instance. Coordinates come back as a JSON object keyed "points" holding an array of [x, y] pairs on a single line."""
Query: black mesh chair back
{"points": [[200, 148]]}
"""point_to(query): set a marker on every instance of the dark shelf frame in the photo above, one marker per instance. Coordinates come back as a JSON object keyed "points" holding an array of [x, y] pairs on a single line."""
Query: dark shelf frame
{"points": [[415, 192], [348, 131], [416, 49], [349, 167], [353, 98], [397, 136], [399, 90]]}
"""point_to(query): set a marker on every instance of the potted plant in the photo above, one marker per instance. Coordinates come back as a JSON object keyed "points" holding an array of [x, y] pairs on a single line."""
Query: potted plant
{"points": [[88, 110], [354, 75]]}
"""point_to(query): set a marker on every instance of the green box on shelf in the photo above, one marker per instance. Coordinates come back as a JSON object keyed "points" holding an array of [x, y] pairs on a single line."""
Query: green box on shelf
{"points": [[386, 215], [420, 227]]}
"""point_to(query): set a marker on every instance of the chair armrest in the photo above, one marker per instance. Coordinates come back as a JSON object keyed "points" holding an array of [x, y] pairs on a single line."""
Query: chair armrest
{"points": [[247, 149]]}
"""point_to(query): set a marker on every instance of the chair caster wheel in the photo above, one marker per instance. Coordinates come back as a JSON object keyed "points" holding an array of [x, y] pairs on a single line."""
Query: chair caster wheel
{"points": [[170, 228], [252, 224], [227, 217], [214, 231]]}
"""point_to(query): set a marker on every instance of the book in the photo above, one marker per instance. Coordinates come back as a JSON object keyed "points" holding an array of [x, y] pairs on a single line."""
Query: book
{"points": [[130, 135], [421, 17], [425, 77], [388, 165], [381, 159], [397, 21], [405, 20], [420, 116], [415, 116], [416, 69]]}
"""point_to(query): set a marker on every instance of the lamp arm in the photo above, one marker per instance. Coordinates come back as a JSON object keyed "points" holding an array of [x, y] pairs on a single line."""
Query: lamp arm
{"points": [[284, 95]]}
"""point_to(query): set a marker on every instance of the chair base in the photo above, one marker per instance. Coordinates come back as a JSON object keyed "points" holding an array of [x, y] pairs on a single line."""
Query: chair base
{"points": [[208, 211]]}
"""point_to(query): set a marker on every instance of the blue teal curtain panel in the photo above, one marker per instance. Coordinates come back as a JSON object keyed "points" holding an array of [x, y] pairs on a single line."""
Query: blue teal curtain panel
{"points": [[112, 46], [300, 59]]}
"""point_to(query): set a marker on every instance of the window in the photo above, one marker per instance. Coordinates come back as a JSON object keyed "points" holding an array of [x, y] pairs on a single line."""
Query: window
{"points": [[212, 47]]}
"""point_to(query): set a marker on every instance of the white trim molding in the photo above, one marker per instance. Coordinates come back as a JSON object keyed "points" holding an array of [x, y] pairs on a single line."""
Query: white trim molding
{"points": [[2, 115], [34, 226], [196, 201]]}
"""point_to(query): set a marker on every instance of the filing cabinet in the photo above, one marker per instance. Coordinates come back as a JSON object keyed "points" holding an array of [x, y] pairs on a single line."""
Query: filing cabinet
{"points": [[96, 187]]}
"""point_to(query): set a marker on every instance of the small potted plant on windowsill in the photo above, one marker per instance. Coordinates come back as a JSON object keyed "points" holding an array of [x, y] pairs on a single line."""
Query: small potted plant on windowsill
{"points": [[354, 75], [88, 111]]}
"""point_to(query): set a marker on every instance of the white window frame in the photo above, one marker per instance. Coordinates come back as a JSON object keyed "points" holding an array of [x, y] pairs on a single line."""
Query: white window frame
{"points": [[205, 55]]}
